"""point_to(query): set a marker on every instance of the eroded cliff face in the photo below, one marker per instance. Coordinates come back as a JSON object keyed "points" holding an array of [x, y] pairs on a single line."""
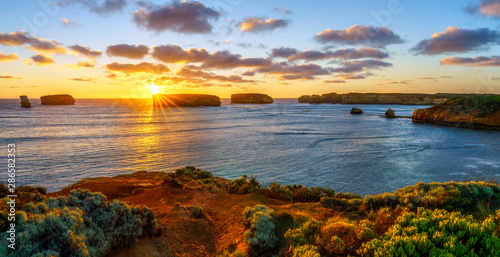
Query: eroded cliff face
{"points": [[185, 100], [251, 98], [57, 100], [468, 112], [375, 98]]}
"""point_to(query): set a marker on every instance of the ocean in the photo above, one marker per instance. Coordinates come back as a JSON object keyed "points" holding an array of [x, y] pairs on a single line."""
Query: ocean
{"points": [[284, 142]]}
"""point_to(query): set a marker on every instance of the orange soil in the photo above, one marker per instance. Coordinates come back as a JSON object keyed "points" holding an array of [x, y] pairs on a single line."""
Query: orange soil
{"points": [[220, 229]]}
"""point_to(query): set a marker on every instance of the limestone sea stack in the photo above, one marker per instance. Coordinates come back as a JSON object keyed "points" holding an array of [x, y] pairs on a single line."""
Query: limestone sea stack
{"points": [[185, 100], [57, 100], [390, 114], [468, 112], [25, 102], [251, 98]]}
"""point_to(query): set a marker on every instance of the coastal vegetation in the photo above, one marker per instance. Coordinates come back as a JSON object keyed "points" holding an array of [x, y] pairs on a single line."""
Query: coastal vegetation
{"points": [[206, 215]]}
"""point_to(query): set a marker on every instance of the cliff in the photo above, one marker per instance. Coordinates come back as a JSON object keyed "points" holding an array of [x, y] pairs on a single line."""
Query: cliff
{"points": [[376, 98], [251, 98], [57, 100], [468, 112], [185, 100]]}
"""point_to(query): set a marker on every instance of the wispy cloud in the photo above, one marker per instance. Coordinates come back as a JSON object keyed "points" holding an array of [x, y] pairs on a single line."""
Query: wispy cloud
{"points": [[128, 51], [107, 6], [8, 57]]}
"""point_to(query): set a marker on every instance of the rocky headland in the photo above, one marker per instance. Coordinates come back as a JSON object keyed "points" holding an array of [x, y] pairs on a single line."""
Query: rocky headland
{"points": [[63, 99], [377, 98], [251, 98], [469, 112], [185, 100]]}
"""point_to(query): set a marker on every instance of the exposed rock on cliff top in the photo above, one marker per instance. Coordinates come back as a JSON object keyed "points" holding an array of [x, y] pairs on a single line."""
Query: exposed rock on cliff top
{"points": [[251, 98], [57, 99], [468, 112], [185, 100]]}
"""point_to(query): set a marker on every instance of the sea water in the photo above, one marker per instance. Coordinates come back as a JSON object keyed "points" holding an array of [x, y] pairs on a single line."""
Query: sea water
{"points": [[284, 142]]}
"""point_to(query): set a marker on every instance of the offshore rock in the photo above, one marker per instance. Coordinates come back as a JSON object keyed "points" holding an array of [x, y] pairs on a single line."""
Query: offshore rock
{"points": [[315, 99], [468, 112], [64, 99], [25, 102], [185, 100], [251, 98], [356, 111], [390, 114]]}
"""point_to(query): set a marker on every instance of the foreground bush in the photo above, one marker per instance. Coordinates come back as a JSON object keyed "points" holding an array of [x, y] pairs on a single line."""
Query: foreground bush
{"points": [[261, 233], [436, 233], [297, 193], [81, 224]]}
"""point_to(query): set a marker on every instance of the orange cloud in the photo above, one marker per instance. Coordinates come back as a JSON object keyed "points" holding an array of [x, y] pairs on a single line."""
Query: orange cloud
{"points": [[8, 57], [254, 24], [143, 67], [360, 35]]}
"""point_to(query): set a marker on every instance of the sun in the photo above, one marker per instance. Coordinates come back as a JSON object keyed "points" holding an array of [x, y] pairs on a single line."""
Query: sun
{"points": [[154, 89]]}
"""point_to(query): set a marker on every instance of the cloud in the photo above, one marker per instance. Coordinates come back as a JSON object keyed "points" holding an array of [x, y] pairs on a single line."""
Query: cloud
{"points": [[354, 76], [393, 82], [360, 35], [188, 17], [83, 79], [144, 67], [41, 60], [427, 78], [86, 64], [485, 8], [446, 77], [247, 45], [9, 77], [217, 59], [189, 82], [357, 66], [186, 72], [457, 40], [40, 45], [67, 23], [85, 51], [107, 7], [285, 71], [15, 38], [128, 51], [312, 55], [331, 81], [8, 57], [480, 61], [253, 24], [282, 10]]}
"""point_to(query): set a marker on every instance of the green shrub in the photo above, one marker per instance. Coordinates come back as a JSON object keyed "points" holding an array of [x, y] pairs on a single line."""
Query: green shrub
{"points": [[261, 233], [81, 224], [339, 237], [436, 233], [297, 193], [379, 201], [243, 185], [341, 204], [450, 196], [306, 251], [193, 172]]}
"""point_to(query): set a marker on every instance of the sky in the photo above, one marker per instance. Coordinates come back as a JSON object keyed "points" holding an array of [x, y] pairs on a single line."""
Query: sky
{"points": [[132, 49]]}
